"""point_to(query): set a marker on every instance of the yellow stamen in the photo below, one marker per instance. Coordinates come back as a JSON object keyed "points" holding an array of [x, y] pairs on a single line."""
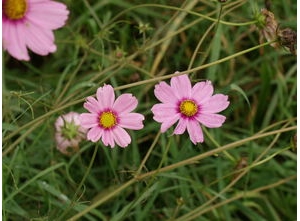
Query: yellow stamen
{"points": [[14, 9], [188, 108], [108, 119]]}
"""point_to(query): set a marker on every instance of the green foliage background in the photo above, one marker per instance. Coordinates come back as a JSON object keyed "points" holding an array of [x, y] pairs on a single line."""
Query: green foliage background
{"points": [[245, 170]]}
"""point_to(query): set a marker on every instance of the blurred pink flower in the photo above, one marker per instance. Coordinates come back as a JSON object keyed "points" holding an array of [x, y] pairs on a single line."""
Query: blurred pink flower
{"points": [[191, 106], [108, 117], [69, 133], [30, 24]]}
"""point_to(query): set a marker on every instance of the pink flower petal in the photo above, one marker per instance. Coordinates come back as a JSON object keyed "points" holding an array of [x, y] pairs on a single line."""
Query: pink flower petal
{"points": [[125, 103], [61, 143], [121, 137], [215, 104], [165, 114], [168, 122], [195, 132], [40, 41], [164, 93], [133, 121], [202, 91], [48, 14], [14, 41], [108, 138], [88, 120], [181, 126], [94, 134], [106, 96], [181, 86], [92, 105], [163, 110], [59, 123], [211, 120]]}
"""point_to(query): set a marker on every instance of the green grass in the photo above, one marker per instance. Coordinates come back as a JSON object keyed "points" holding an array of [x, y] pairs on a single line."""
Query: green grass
{"points": [[245, 170]]}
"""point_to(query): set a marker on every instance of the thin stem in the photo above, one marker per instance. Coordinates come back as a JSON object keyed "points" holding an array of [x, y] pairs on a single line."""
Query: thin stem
{"points": [[80, 185], [187, 11], [148, 153], [231, 158], [175, 24], [102, 200], [231, 184], [195, 159], [42, 173], [176, 165], [238, 196]]}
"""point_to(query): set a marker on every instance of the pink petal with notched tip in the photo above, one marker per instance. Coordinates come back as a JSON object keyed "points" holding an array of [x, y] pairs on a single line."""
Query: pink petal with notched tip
{"points": [[181, 86], [108, 138], [13, 40], [164, 93], [211, 120], [94, 134], [215, 104], [133, 121], [92, 105], [168, 122], [40, 41], [47, 14], [88, 120], [195, 132], [181, 126], [121, 137], [106, 96], [163, 110], [202, 91], [125, 103]]}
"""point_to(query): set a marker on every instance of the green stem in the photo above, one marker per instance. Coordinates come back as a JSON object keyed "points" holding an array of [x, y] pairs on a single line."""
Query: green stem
{"points": [[148, 153], [102, 200], [179, 164], [195, 159], [236, 197], [187, 11], [70, 206], [42, 173]]}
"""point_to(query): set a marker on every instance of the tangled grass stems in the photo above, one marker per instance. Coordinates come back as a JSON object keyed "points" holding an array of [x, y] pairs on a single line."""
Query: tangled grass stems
{"points": [[75, 196], [41, 174], [182, 163], [198, 211], [246, 194], [258, 160], [187, 11], [174, 25]]}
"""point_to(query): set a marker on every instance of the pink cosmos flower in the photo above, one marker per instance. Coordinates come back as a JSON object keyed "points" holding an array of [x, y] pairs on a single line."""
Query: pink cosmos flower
{"points": [[108, 117], [190, 106], [69, 133], [30, 24]]}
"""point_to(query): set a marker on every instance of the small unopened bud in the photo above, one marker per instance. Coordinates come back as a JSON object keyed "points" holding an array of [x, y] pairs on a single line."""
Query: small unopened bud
{"points": [[69, 133]]}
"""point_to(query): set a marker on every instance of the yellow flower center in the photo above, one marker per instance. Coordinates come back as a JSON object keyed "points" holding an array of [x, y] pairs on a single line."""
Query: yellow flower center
{"points": [[108, 119], [14, 9], [188, 108]]}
